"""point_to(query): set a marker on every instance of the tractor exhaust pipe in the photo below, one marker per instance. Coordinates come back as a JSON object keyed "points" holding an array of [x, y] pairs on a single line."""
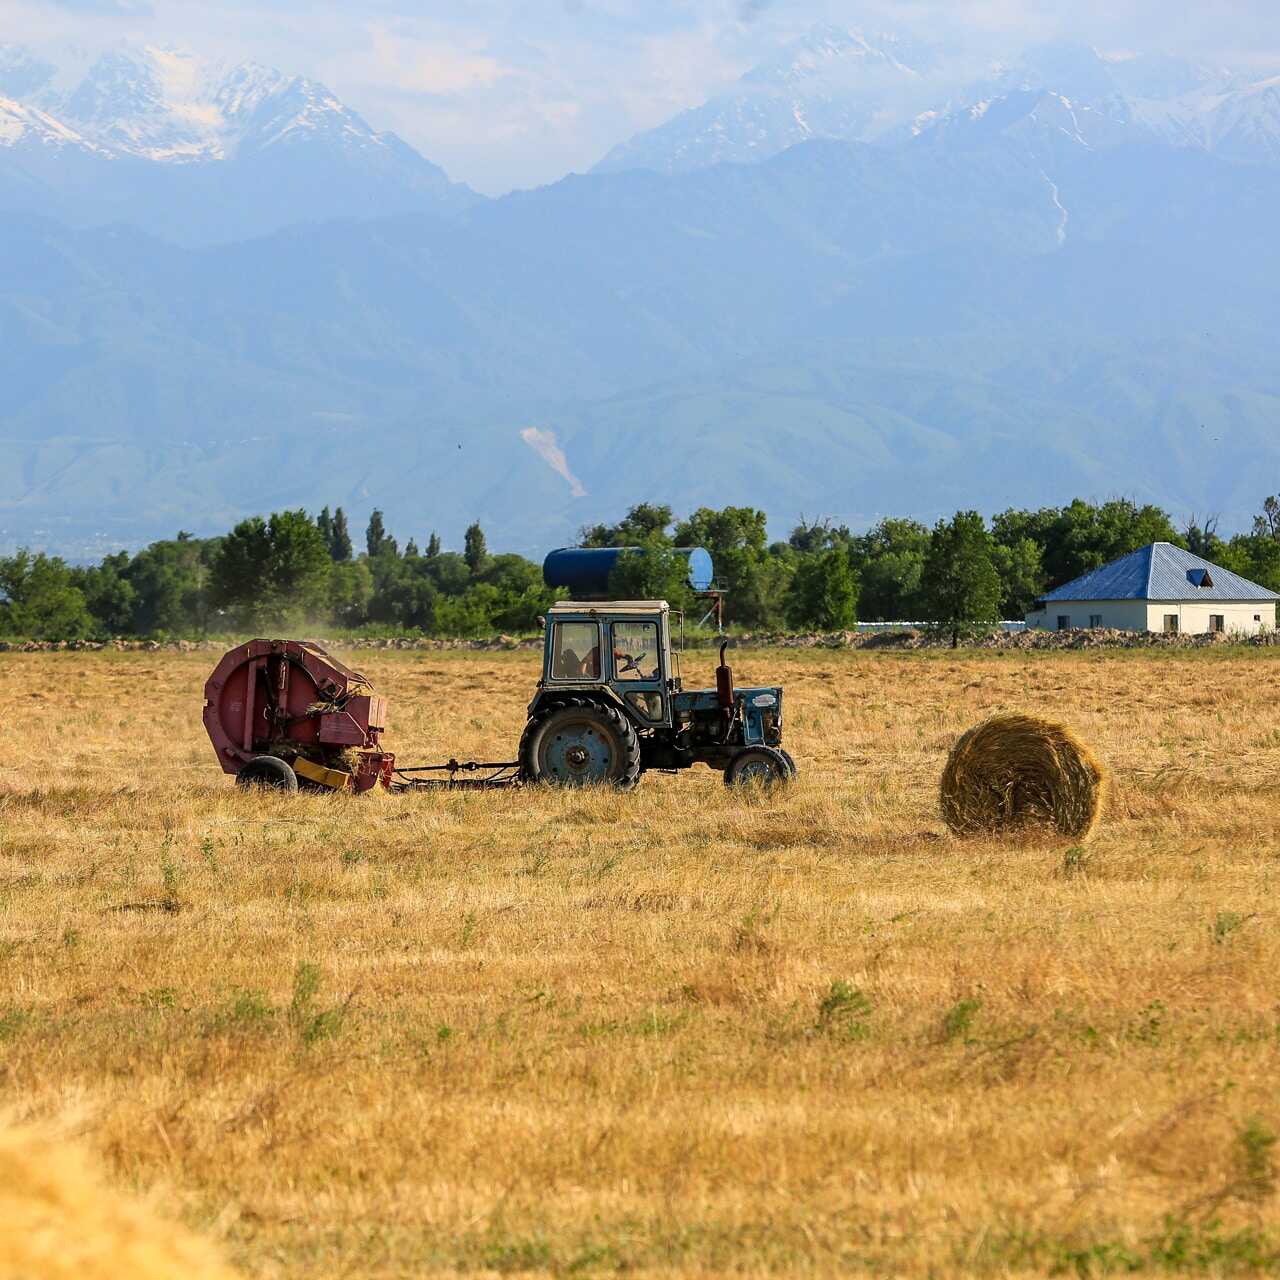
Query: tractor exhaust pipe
{"points": [[724, 681], [724, 691]]}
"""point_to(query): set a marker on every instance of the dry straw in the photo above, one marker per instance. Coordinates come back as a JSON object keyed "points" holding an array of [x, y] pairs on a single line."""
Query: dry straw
{"points": [[59, 1222], [1016, 771]]}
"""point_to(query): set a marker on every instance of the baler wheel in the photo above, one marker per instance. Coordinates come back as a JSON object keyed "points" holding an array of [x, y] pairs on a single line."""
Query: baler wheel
{"points": [[764, 765], [268, 772], [579, 742]]}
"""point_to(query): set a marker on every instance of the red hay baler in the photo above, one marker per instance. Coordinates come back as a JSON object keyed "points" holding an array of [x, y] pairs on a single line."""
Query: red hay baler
{"points": [[284, 712]]}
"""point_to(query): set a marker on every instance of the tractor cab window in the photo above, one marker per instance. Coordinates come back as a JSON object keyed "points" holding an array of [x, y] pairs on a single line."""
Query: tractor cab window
{"points": [[575, 652], [635, 650]]}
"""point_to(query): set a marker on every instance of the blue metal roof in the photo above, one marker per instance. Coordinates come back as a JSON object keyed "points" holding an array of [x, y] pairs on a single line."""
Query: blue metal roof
{"points": [[1160, 572]]}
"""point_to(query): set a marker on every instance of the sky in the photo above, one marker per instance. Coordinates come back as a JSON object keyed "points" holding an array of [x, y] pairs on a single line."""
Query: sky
{"points": [[516, 93]]}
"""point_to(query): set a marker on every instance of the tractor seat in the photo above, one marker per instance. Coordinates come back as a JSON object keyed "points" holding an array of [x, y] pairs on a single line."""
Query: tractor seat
{"points": [[568, 665]]}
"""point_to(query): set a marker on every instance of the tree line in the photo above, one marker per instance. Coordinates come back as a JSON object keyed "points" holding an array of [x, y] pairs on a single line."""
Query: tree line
{"points": [[291, 569]]}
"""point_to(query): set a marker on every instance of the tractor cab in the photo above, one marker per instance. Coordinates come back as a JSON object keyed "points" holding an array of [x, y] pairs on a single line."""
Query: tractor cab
{"points": [[621, 648]]}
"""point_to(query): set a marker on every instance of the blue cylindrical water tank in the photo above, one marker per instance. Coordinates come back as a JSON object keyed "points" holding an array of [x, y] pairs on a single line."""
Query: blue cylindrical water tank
{"points": [[584, 571]]}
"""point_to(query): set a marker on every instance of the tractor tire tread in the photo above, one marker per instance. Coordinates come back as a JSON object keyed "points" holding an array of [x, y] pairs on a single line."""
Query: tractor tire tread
{"points": [[623, 728], [783, 765]]}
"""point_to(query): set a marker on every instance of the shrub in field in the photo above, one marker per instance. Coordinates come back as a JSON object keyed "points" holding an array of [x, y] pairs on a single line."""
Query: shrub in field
{"points": [[958, 1019], [844, 1011]]}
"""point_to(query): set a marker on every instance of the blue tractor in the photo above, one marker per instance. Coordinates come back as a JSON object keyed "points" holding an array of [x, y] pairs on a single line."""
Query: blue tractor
{"points": [[612, 704]]}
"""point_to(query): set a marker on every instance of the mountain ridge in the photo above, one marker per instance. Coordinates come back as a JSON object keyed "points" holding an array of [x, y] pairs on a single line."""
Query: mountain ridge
{"points": [[913, 332]]}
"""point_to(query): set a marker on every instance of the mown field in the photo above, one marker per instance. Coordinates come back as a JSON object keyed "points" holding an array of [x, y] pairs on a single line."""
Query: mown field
{"points": [[680, 1030]]}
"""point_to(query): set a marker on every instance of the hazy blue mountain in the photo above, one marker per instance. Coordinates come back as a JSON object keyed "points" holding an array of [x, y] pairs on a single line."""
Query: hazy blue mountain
{"points": [[196, 151], [843, 330]]}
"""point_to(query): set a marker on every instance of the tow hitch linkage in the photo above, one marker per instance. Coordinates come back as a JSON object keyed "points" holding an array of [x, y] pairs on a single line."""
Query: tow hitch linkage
{"points": [[502, 774]]}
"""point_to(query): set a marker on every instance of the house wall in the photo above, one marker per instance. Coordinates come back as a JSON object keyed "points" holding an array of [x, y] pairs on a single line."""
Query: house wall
{"points": [[1120, 615], [1247, 617], [1193, 616]]}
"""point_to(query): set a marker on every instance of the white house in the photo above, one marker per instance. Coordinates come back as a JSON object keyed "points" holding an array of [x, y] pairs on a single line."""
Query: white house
{"points": [[1158, 588]]}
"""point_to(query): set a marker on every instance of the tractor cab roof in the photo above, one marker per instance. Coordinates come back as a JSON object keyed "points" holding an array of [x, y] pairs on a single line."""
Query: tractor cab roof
{"points": [[609, 606]]}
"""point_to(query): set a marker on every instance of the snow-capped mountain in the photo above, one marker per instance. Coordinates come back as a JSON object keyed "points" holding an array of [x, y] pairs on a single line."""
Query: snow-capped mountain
{"points": [[29, 127], [195, 148], [1246, 124], [1078, 95], [848, 85], [1238, 124], [169, 105], [832, 83], [830, 56], [1042, 120]]}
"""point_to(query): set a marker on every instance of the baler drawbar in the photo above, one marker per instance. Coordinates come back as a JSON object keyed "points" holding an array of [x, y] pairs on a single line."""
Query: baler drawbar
{"points": [[500, 775]]}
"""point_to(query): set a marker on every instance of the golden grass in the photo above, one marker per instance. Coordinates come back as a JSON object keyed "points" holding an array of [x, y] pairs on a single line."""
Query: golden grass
{"points": [[1015, 771], [681, 1030]]}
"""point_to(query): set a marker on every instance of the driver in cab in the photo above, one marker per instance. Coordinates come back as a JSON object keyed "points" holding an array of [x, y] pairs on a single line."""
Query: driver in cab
{"points": [[629, 655]]}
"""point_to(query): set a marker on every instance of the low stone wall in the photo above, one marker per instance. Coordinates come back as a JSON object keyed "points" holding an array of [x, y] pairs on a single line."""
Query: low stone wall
{"points": [[221, 646], [1100, 638], [878, 640]]}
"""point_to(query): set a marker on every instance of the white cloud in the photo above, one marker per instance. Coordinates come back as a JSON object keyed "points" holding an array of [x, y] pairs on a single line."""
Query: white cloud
{"points": [[121, 8], [437, 67]]}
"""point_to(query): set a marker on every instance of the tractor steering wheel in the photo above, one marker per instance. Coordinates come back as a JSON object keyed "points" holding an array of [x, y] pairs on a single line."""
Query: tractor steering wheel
{"points": [[630, 663]]}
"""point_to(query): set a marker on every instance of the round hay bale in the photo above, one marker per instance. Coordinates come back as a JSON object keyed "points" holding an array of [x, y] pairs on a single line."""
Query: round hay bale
{"points": [[1017, 771], [59, 1221]]}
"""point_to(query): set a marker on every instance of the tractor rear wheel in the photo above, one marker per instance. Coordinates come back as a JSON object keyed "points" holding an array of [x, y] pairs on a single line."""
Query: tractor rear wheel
{"points": [[579, 742], [763, 765], [791, 764], [268, 772]]}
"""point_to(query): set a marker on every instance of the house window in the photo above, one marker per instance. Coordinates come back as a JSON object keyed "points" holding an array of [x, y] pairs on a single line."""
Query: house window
{"points": [[1095, 620], [1217, 622], [576, 653], [1064, 622], [1171, 624]]}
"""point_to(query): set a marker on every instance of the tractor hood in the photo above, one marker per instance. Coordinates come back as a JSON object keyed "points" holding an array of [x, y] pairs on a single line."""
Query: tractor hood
{"points": [[760, 710], [764, 697]]}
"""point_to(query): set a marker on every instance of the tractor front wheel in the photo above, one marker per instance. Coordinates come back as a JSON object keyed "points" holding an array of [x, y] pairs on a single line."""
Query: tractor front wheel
{"points": [[580, 742], [763, 765], [268, 772]]}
